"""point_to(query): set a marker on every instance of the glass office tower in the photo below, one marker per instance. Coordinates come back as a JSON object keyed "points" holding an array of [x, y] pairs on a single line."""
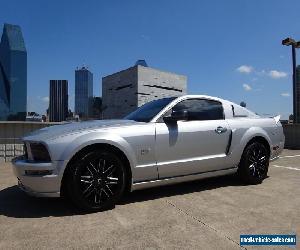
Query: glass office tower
{"points": [[58, 103], [13, 74], [83, 92]]}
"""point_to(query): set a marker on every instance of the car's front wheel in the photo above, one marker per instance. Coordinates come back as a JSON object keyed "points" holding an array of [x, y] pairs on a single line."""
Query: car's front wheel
{"points": [[96, 181], [254, 164]]}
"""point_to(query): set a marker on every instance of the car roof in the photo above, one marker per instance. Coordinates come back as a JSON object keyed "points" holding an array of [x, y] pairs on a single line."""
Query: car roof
{"points": [[206, 97]]}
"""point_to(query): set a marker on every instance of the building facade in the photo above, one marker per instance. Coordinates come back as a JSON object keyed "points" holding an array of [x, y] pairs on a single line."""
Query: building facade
{"points": [[13, 74], [297, 96], [125, 91], [58, 103], [83, 93]]}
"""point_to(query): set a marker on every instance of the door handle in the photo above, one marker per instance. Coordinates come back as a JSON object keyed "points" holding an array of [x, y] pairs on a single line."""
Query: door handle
{"points": [[220, 130]]}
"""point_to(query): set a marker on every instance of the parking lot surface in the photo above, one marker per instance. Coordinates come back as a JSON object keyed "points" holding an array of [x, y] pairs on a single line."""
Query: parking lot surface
{"points": [[206, 214]]}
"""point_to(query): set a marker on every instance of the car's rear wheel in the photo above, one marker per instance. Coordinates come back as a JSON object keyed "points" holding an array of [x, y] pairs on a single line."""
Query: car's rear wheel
{"points": [[96, 181], [254, 164]]}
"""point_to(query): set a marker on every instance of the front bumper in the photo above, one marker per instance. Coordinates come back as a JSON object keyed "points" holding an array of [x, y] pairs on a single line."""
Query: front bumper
{"points": [[38, 185]]}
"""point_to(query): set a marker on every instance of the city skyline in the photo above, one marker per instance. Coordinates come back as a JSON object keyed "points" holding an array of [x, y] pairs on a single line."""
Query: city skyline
{"points": [[232, 50]]}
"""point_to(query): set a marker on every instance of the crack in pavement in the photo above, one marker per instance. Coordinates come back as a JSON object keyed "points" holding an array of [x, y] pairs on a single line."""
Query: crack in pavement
{"points": [[204, 224]]}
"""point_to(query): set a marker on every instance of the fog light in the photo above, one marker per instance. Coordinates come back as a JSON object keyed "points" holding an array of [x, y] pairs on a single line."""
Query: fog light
{"points": [[38, 172]]}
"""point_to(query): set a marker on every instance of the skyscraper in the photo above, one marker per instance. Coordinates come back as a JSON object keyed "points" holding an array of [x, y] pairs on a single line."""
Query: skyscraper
{"points": [[297, 95], [58, 104], [13, 74], [83, 92]]}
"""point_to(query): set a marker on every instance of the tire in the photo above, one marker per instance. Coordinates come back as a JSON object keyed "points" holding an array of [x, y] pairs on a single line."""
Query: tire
{"points": [[96, 181], [254, 164]]}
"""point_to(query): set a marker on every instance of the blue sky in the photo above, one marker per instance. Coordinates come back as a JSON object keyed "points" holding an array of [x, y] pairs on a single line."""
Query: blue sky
{"points": [[231, 49]]}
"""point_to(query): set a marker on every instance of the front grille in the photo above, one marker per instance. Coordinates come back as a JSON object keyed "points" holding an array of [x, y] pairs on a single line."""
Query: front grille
{"points": [[38, 172]]}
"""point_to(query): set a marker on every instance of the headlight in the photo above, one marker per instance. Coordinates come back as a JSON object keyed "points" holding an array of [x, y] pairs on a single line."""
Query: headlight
{"points": [[37, 152]]}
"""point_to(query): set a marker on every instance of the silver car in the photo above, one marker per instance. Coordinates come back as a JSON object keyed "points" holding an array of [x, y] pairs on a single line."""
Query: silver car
{"points": [[164, 142]]}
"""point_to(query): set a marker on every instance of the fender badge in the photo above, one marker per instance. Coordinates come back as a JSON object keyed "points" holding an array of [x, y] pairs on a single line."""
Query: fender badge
{"points": [[145, 151]]}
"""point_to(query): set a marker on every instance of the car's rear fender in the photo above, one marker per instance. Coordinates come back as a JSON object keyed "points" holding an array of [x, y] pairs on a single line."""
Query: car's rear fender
{"points": [[239, 142]]}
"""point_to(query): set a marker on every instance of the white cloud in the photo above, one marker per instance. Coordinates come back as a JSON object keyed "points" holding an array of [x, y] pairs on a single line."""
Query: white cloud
{"points": [[245, 69], [277, 74], [45, 99], [285, 94], [247, 87]]}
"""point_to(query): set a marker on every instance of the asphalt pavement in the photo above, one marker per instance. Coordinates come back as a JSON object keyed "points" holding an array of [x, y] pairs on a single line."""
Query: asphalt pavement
{"points": [[205, 214]]}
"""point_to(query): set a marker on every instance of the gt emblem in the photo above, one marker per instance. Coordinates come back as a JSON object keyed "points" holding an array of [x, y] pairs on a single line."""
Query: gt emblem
{"points": [[145, 151]]}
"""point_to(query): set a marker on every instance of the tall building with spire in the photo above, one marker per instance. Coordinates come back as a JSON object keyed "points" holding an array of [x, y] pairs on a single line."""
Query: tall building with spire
{"points": [[13, 74]]}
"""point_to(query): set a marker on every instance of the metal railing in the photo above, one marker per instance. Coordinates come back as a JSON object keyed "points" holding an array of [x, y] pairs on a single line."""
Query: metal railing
{"points": [[10, 148]]}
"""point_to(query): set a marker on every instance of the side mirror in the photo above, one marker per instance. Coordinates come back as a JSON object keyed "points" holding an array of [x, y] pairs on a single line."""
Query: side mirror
{"points": [[180, 115]]}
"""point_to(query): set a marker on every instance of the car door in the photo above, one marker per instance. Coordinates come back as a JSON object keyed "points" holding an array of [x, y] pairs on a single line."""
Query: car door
{"points": [[195, 145]]}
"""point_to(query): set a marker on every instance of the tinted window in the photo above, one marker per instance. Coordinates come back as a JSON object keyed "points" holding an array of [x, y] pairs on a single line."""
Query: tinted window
{"points": [[147, 112], [201, 109]]}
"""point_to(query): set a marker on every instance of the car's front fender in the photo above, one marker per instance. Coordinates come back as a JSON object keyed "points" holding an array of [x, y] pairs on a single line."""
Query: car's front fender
{"points": [[64, 148]]}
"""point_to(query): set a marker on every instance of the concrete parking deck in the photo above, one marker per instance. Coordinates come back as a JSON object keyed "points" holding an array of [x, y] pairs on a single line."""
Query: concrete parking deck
{"points": [[206, 214]]}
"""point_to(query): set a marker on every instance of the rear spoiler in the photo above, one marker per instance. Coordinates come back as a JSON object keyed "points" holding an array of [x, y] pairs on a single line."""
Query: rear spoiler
{"points": [[276, 118]]}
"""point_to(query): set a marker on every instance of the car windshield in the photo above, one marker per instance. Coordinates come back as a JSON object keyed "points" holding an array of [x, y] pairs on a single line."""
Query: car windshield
{"points": [[147, 112]]}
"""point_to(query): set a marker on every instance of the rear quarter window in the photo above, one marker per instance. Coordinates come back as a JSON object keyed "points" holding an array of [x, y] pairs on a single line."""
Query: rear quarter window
{"points": [[238, 111]]}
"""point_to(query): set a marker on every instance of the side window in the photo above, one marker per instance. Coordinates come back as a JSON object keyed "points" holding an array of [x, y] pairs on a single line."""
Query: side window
{"points": [[201, 109]]}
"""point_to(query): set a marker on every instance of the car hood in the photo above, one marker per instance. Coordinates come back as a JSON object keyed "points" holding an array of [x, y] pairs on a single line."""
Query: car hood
{"points": [[56, 131]]}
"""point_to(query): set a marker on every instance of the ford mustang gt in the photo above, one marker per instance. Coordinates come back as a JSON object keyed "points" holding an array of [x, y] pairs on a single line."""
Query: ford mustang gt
{"points": [[163, 142]]}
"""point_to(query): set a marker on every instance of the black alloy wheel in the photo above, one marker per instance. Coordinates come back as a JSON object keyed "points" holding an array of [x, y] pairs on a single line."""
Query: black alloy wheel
{"points": [[97, 181], [253, 168]]}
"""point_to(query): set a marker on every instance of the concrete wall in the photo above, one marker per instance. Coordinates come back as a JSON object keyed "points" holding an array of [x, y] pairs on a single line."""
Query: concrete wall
{"points": [[292, 136], [11, 134], [119, 93], [125, 91], [155, 84], [13, 131]]}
